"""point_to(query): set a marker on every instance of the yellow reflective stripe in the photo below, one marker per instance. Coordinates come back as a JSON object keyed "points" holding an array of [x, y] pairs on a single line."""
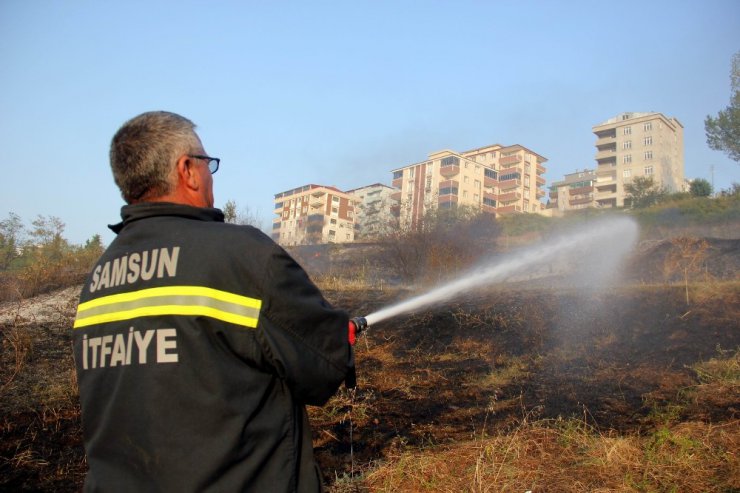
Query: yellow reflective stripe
{"points": [[171, 300]]}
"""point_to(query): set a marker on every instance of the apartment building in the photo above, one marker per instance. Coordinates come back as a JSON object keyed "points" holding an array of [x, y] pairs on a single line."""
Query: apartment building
{"points": [[373, 216], [314, 214], [575, 191], [495, 178], [637, 144]]}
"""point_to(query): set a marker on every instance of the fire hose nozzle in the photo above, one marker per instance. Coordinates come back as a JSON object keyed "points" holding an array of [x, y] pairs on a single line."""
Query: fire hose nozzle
{"points": [[356, 326]]}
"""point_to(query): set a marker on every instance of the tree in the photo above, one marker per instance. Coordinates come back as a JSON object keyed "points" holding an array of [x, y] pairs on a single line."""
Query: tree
{"points": [[644, 192], [10, 240], [233, 215], [47, 234], [229, 210], [700, 188], [723, 131]]}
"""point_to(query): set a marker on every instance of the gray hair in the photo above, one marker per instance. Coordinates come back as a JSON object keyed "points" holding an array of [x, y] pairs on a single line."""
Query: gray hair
{"points": [[144, 151]]}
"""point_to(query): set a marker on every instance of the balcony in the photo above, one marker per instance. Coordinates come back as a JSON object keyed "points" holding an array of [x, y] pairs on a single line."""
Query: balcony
{"points": [[509, 184], [580, 190], [540, 169], [449, 171], [447, 199], [397, 183], [607, 160], [508, 209], [509, 197], [581, 201], [605, 154], [540, 180], [606, 135], [509, 160], [606, 193], [489, 182], [540, 193], [396, 196]]}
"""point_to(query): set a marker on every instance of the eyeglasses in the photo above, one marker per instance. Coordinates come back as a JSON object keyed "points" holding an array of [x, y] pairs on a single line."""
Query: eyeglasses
{"points": [[213, 162]]}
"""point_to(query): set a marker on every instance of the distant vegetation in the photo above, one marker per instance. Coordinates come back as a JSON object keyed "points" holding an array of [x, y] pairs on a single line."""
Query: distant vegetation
{"points": [[38, 259]]}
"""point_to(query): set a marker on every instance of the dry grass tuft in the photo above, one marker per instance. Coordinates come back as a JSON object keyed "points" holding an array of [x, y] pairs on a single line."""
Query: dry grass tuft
{"points": [[570, 456]]}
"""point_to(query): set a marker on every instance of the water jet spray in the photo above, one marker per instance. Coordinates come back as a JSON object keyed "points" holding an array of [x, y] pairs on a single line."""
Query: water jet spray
{"points": [[606, 242]]}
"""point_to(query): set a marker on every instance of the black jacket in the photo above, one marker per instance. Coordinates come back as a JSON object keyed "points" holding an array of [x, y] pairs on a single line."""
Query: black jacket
{"points": [[198, 344]]}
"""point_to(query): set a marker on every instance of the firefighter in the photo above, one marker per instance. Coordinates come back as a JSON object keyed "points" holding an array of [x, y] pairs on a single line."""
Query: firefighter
{"points": [[198, 343]]}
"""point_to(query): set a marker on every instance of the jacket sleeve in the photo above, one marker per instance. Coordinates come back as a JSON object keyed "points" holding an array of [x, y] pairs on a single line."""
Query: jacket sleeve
{"points": [[303, 336]]}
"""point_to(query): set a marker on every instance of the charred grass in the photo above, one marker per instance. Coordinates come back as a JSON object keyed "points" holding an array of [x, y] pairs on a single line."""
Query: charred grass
{"points": [[628, 389]]}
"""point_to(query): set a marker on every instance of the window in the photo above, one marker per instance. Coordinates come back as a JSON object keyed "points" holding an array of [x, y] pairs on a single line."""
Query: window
{"points": [[412, 172], [648, 155], [648, 170], [489, 202], [627, 158], [627, 130], [465, 194], [397, 175], [333, 221], [526, 181], [335, 199], [648, 126], [477, 184], [448, 191], [489, 173], [648, 140], [627, 144], [465, 179], [510, 176], [451, 161], [627, 173]]}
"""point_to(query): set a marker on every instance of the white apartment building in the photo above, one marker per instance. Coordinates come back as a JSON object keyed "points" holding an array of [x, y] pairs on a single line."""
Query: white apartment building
{"points": [[373, 214], [637, 144], [313, 214], [575, 191], [497, 179]]}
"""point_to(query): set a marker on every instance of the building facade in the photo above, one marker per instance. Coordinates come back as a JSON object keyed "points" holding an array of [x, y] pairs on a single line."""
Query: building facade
{"points": [[637, 144], [314, 214], [575, 191], [373, 215], [496, 179]]}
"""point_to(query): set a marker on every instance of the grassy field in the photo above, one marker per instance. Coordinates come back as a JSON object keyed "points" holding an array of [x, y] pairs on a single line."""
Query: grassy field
{"points": [[631, 388]]}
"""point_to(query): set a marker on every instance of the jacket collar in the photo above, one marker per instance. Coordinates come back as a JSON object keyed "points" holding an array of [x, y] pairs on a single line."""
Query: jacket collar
{"points": [[144, 210]]}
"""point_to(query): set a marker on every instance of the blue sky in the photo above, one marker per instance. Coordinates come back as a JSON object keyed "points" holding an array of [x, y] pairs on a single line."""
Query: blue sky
{"points": [[340, 93]]}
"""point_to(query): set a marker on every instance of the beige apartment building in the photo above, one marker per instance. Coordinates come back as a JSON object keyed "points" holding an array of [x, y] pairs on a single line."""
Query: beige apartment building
{"points": [[637, 144], [373, 216], [314, 214], [575, 191], [497, 179]]}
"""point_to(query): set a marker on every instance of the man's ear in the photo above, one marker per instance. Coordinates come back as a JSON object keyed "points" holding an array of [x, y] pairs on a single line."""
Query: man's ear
{"points": [[186, 175]]}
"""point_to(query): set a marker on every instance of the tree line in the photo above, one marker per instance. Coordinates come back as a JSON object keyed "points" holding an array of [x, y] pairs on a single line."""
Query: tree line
{"points": [[37, 258]]}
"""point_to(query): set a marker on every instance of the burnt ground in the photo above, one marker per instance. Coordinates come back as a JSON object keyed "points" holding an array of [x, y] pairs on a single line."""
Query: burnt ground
{"points": [[621, 358]]}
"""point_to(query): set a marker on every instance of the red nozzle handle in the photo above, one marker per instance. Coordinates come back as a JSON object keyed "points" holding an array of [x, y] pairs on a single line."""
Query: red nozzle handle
{"points": [[356, 326]]}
